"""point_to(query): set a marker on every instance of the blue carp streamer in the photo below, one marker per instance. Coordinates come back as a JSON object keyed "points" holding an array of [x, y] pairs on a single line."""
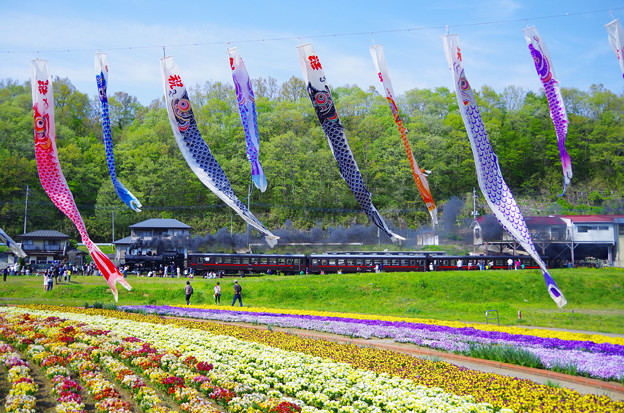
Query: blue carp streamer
{"points": [[101, 76], [15, 248], [249, 117], [196, 151], [330, 122], [491, 182], [543, 65]]}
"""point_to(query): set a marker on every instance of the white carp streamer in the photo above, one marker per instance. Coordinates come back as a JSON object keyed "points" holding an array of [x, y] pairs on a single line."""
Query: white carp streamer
{"points": [[491, 182], [195, 150]]}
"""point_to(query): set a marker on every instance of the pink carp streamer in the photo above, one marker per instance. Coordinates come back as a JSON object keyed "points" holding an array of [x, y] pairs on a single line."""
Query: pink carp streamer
{"points": [[491, 182], [420, 175], [249, 116], [616, 40], [321, 98], [541, 58], [51, 175]]}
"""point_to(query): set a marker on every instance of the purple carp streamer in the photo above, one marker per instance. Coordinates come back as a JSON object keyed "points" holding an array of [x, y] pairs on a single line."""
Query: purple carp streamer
{"points": [[616, 40], [51, 175], [249, 116], [491, 182], [196, 151], [420, 175], [541, 58], [101, 76], [330, 122], [17, 250]]}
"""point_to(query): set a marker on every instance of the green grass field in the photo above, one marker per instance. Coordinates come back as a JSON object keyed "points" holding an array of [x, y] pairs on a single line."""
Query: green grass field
{"points": [[595, 296]]}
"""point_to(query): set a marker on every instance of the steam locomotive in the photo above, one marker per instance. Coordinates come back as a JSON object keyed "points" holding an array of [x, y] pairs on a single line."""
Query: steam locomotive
{"points": [[349, 262]]}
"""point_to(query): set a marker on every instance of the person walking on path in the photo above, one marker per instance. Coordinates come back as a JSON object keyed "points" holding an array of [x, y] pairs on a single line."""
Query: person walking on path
{"points": [[188, 290], [217, 293], [238, 290]]}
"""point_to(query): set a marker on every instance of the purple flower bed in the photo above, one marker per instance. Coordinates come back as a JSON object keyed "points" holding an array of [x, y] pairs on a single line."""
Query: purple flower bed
{"points": [[602, 360]]}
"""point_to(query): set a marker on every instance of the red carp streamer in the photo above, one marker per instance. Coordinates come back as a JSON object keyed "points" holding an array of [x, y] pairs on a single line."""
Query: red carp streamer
{"points": [[51, 175]]}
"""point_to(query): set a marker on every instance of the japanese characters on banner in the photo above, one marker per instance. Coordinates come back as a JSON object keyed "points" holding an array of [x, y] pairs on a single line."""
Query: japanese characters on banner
{"points": [[51, 175], [616, 40], [321, 98], [195, 150], [420, 175], [489, 175]]}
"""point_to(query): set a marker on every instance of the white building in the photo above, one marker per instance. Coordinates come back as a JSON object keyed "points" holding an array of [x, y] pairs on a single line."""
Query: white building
{"points": [[563, 237]]}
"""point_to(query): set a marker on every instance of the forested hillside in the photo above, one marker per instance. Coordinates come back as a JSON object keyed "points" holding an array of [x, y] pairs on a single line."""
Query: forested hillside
{"points": [[304, 186]]}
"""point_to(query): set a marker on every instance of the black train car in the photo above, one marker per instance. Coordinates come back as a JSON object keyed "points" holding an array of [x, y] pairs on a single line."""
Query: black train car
{"points": [[349, 262]]}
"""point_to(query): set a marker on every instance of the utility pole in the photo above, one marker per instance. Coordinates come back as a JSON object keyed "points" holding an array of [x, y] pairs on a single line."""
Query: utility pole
{"points": [[26, 207], [113, 223], [248, 204], [475, 214]]}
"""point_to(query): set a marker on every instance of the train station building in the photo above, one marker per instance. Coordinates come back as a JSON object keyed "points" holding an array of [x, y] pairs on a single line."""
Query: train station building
{"points": [[569, 239]]}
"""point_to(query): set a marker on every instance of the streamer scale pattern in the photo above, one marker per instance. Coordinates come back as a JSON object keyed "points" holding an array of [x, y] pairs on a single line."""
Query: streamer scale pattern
{"points": [[420, 175], [17, 250], [195, 150], [249, 116], [490, 178], [330, 122], [51, 175], [101, 76], [541, 58]]}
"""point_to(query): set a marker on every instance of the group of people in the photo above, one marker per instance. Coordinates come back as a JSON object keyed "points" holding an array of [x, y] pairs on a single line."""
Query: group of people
{"points": [[56, 273], [238, 293]]}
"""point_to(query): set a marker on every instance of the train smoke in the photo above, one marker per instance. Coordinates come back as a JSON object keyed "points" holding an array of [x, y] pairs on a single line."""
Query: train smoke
{"points": [[224, 240]]}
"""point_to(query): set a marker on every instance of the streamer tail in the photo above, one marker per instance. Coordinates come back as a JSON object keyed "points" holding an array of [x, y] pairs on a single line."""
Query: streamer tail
{"points": [[101, 77], [108, 269]]}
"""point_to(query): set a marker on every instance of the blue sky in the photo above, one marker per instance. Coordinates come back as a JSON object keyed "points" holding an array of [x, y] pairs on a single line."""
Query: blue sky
{"points": [[132, 33]]}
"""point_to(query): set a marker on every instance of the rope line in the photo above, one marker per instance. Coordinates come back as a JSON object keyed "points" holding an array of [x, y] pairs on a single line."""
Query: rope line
{"points": [[318, 36]]}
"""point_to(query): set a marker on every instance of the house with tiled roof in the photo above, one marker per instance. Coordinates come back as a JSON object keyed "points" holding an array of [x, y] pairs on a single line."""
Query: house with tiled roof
{"points": [[45, 246], [151, 237]]}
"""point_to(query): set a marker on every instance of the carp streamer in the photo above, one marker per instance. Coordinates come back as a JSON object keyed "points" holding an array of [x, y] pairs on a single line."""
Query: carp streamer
{"points": [[330, 122], [17, 250], [541, 58], [101, 76], [420, 175], [51, 175], [196, 151], [491, 182], [249, 117], [616, 40]]}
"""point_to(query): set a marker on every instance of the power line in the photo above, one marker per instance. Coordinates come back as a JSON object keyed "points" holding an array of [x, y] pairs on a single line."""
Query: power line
{"points": [[367, 33]]}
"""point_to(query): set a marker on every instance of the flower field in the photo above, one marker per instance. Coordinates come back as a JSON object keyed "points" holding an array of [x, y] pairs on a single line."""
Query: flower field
{"points": [[180, 365], [593, 356]]}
